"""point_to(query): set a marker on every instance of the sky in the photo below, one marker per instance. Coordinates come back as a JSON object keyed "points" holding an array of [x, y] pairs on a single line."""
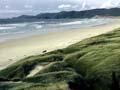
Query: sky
{"points": [[13, 8]]}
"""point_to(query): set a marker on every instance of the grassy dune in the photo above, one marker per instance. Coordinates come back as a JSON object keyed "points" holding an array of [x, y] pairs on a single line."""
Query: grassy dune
{"points": [[92, 59]]}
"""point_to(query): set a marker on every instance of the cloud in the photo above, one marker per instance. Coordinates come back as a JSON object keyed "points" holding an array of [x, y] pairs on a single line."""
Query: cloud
{"points": [[68, 7], [111, 4], [28, 6], [6, 6], [64, 6]]}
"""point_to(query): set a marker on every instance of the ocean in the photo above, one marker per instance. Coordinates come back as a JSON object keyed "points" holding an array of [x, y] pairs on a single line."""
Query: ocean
{"points": [[26, 29]]}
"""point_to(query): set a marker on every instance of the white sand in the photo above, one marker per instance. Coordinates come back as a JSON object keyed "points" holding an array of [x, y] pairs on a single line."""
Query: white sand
{"points": [[35, 70], [14, 50]]}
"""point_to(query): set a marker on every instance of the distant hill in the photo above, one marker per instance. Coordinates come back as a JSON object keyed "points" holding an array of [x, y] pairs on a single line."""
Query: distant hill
{"points": [[65, 15], [80, 14]]}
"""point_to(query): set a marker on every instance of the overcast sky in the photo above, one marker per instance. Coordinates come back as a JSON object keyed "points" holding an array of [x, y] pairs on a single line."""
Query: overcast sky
{"points": [[10, 8]]}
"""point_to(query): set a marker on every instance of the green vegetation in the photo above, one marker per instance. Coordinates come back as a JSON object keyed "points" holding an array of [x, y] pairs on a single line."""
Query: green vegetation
{"points": [[93, 59], [22, 68]]}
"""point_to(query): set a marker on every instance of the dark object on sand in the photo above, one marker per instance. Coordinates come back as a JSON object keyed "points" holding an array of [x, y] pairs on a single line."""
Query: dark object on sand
{"points": [[44, 51]]}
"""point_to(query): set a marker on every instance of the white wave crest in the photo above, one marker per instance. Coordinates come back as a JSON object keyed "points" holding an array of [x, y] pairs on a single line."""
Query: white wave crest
{"points": [[71, 23], [38, 26], [6, 27], [18, 25]]}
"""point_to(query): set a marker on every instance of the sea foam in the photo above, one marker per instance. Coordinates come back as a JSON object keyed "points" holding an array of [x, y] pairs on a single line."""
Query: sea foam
{"points": [[4, 27]]}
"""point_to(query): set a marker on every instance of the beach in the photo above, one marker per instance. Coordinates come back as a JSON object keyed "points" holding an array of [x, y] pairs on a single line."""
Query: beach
{"points": [[16, 49]]}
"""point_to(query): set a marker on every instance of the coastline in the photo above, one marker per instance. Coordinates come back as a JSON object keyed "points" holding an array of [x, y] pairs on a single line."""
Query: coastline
{"points": [[14, 50]]}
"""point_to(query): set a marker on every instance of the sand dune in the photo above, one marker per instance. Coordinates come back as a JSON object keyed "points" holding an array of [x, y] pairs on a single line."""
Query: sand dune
{"points": [[35, 71], [14, 50]]}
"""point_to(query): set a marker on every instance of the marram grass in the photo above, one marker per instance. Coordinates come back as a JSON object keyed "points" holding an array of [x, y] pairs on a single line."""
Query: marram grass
{"points": [[93, 59]]}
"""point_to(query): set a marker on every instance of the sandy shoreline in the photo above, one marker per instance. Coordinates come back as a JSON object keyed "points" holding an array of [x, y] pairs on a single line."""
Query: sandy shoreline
{"points": [[14, 50]]}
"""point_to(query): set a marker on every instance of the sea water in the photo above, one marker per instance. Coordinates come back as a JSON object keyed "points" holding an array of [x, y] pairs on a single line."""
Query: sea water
{"points": [[26, 29]]}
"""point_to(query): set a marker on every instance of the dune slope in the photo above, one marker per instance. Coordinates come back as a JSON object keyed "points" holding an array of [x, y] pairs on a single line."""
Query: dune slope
{"points": [[93, 59]]}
